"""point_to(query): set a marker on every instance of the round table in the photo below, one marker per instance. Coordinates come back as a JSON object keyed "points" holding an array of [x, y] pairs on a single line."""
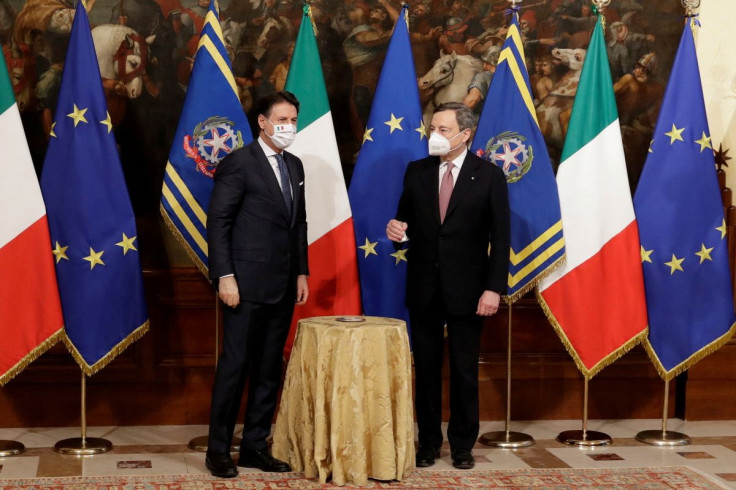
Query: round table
{"points": [[346, 409]]}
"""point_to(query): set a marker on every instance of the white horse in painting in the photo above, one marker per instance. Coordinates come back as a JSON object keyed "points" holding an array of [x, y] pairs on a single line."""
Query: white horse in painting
{"points": [[554, 110], [122, 55], [274, 29], [232, 34], [448, 79]]}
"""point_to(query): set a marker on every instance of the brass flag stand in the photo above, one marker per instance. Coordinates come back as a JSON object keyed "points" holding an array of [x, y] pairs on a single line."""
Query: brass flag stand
{"points": [[585, 437], [663, 437], [10, 448], [83, 446], [200, 443], [507, 439]]}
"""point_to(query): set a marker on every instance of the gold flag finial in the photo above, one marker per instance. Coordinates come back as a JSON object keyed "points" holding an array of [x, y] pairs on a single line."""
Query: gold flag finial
{"points": [[690, 14], [600, 9], [690, 5]]}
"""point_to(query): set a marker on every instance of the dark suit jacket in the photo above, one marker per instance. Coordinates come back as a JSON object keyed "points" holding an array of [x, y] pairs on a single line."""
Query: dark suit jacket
{"points": [[453, 256], [250, 233]]}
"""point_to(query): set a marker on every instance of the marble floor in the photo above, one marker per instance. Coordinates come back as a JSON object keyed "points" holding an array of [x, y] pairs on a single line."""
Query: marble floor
{"points": [[160, 450]]}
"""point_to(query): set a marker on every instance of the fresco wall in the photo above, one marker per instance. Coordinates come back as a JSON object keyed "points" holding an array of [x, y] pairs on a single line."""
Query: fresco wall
{"points": [[145, 50]]}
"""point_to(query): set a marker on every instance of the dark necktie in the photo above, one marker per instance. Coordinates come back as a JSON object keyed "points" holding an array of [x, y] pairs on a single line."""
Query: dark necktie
{"points": [[446, 190], [285, 187]]}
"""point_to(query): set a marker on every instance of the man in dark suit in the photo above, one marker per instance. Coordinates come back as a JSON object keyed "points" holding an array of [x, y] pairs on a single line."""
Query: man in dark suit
{"points": [[257, 231], [453, 206]]}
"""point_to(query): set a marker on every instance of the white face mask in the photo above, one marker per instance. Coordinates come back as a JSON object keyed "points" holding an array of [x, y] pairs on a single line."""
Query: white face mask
{"points": [[439, 146], [283, 135]]}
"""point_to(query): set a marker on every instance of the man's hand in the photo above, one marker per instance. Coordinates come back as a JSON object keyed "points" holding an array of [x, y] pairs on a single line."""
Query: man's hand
{"points": [[435, 32], [488, 303], [395, 230], [228, 291], [302, 289]]}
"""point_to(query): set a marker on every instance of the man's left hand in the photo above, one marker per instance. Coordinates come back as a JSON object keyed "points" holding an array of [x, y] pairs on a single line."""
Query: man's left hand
{"points": [[488, 303], [302, 289]]}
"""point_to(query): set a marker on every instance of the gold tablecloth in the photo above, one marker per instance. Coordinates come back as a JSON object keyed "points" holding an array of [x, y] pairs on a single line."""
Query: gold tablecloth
{"points": [[346, 408]]}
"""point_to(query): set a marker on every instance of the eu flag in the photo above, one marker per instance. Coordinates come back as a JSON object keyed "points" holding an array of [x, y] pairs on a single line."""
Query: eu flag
{"points": [[212, 124], [508, 135], [395, 135], [683, 233], [93, 231]]}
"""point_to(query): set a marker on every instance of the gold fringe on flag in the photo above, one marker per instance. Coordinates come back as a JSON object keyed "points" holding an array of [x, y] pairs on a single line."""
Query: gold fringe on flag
{"points": [[606, 361], [694, 358], [32, 356], [179, 238], [112, 354], [532, 284]]}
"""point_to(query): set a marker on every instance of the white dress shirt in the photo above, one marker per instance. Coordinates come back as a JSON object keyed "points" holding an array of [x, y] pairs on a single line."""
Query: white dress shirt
{"points": [[457, 162], [271, 155]]}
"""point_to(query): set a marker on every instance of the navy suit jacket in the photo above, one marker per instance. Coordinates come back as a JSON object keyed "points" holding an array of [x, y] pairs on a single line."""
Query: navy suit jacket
{"points": [[453, 256], [250, 232]]}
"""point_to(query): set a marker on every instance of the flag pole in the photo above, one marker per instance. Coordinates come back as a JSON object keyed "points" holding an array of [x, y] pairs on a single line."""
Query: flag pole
{"points": [[663, 437], [585, 437], [507, 439], [200, 443], [83, 446]]}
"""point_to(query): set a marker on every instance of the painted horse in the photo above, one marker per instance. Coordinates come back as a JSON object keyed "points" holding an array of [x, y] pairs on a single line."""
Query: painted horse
{"points": [[448, 80]]}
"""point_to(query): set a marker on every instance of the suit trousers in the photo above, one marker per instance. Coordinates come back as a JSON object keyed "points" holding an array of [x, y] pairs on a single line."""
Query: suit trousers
{"points": [[463, 335], [253, 344]]}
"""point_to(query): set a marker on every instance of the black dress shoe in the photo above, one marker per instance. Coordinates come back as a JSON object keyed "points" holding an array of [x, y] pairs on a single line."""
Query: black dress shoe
{"points": [[263, 460], [462, 459], [221, 465], [426, 454]]}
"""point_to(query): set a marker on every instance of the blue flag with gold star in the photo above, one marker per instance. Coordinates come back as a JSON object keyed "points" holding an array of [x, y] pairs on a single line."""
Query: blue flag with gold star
{"points": [[508, 136], [395, 135], [212, 124], [93, 230], [684, 249]]}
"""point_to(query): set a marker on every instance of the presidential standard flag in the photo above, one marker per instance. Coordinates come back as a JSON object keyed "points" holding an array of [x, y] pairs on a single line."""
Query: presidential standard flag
{"points": [[595, 300], [30, 311], [92, 225], [212, 124], [334, 288], [395, 135], [684, 250], [508, 136]]}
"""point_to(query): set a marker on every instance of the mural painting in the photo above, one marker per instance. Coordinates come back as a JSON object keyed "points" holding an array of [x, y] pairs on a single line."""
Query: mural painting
{"points": [[145, 50]]}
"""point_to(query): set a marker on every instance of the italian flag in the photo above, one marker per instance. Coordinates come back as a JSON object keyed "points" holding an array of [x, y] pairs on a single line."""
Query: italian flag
{"points": [[596, 300], [30, 310], [334, 288]]}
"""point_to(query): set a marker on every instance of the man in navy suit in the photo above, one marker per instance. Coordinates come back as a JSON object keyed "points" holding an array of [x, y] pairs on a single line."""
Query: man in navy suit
{"points": [[453, 207], [257, 236]]}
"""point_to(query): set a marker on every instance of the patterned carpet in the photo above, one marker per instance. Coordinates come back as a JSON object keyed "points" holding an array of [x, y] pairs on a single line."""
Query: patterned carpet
{"points": [[619, 478]]}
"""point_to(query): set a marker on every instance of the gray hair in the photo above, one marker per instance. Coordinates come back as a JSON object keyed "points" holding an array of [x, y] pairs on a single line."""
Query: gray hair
{"points": [[465, 117]]}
